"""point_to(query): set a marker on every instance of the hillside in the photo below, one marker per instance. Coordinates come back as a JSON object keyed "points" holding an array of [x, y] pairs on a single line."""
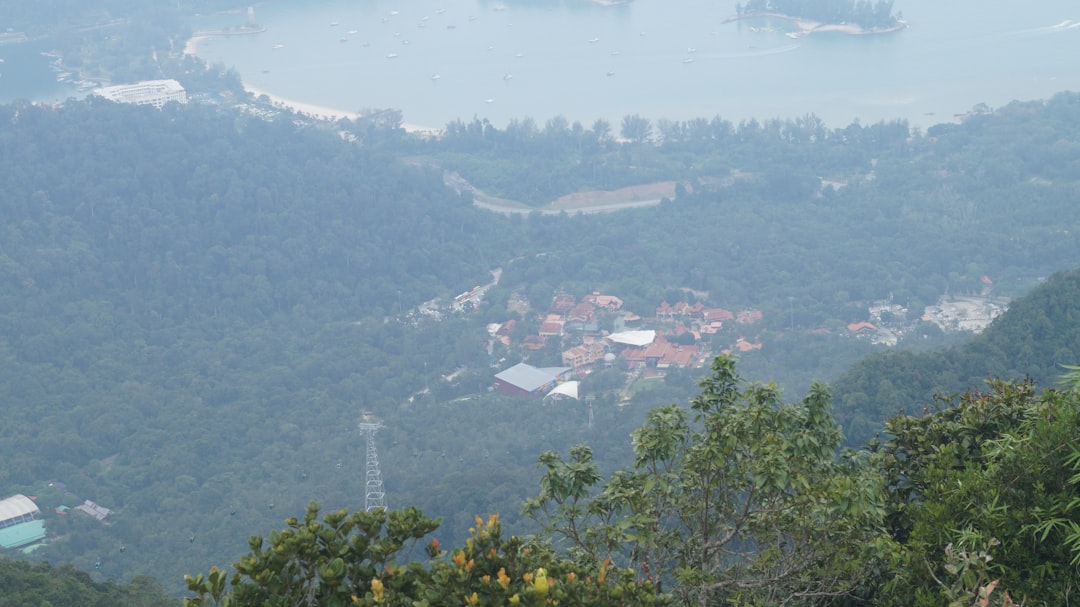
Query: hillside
{"points": [[1037, 335], [196, 305]]}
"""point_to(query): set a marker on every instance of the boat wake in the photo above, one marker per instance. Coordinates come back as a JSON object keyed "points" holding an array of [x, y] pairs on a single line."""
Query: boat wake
{"points": [[758, 52], [1063, 26]]}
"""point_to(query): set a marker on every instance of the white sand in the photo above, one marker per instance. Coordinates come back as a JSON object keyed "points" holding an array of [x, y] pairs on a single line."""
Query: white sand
{"points": [[319, 112], [315, 111]]}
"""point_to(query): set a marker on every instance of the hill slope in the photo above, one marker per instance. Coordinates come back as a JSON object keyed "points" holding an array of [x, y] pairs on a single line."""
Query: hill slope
{"points": [[1039, 333]]}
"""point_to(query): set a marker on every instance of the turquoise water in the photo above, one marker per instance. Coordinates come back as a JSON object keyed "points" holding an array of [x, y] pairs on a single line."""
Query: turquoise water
{"points": [[510, 59]]}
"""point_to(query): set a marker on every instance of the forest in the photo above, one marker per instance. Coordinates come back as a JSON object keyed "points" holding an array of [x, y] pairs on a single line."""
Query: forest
{"points": [[197, 305]]}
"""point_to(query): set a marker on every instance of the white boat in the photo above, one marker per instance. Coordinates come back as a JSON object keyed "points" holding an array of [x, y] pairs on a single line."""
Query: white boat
{"points": [[391, 55], [594, 40], [611, 73], [688, 60], [691, 49], [508, 77], [435, 76], [278, 46], [489, 100], [352, 32], [392, 13], [335, 23]]}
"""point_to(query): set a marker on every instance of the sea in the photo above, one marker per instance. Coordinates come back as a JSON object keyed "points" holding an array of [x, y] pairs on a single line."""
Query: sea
{"points": [[503, 60]]}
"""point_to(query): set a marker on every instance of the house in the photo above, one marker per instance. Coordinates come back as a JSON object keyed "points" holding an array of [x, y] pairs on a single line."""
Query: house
{"points": [[582, 356], [562, 304], [551, 328], [526, 381], [749, 317], [534, 342], [581, 313], [95, 510], [711, 314], [606, 302], [862, 328]]}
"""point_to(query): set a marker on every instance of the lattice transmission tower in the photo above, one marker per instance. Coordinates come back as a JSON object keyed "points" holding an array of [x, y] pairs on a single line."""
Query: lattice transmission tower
{"points": [[374, 496]]}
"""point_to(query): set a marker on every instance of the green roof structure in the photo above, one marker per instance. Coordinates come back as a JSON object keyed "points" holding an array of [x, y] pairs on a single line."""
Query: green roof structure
{"points": [[22, 534]]}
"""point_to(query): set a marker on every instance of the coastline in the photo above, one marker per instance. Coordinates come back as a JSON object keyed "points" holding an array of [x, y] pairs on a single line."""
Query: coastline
{"points": [[321, 112], [312, 110], [807, 27]]}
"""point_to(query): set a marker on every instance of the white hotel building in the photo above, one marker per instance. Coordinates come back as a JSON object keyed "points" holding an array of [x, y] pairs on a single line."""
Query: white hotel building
{"points": [[148, 92]]}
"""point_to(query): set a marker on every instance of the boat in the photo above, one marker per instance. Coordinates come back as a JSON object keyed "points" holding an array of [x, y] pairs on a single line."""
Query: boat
{"points": [[611, 73], [440, 11], [594, 40], [278, 47], [343, 39], [352, 32], [489, 100], [335, 23], [508, 76], [435, 76], [688, 60], [391, 55], [691, 49], [392, 13]]}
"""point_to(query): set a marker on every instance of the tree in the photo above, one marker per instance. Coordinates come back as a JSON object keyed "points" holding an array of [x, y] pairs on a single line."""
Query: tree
{"points": [[748, 503], [635, 128], [995, 472], [356, 559]]}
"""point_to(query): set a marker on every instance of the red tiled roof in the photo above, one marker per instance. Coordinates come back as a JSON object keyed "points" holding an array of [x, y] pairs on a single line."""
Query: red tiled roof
{"points": [[717, 314]]}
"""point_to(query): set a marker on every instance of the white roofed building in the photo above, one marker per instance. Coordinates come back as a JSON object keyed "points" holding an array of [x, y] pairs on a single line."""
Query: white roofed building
{"points": [[19, 522], [527, 381], [148, 92]]}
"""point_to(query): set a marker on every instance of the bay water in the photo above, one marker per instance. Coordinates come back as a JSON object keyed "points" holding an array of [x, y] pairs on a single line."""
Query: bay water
{"points": [[500, 60], [441, 60]]}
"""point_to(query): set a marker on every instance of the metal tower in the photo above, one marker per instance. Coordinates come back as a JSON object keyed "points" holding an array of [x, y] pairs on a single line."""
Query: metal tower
{"points": [[374, 496]]}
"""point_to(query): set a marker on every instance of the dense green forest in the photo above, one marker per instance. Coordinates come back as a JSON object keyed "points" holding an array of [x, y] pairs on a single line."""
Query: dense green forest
{"points": [[1039, 334], [197, 304], [25, 584], [737, 499]]}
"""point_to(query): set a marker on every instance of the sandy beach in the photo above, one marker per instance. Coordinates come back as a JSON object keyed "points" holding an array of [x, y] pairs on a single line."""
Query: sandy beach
{"points": [[310, 109], [318, 112]]}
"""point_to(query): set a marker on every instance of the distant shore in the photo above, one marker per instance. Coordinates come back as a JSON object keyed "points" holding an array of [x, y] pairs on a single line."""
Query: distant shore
{"points": [[321, 112], [807, 26]]}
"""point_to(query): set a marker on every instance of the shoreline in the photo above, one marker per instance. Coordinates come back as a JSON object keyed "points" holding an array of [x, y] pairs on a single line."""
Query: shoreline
{"points": [[322, 112], [312, 110], [807, 27]]}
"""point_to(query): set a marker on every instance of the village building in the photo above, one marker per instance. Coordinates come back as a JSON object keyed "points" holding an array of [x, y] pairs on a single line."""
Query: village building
{"points": [[526, 381]]}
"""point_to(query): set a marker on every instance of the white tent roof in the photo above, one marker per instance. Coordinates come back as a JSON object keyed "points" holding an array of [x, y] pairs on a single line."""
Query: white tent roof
{"points": [[633, 338], [16, 506], [569, 388]]}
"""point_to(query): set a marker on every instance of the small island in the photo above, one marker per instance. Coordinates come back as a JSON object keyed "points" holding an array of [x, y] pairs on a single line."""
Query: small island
{"points": [[854, 17]]}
